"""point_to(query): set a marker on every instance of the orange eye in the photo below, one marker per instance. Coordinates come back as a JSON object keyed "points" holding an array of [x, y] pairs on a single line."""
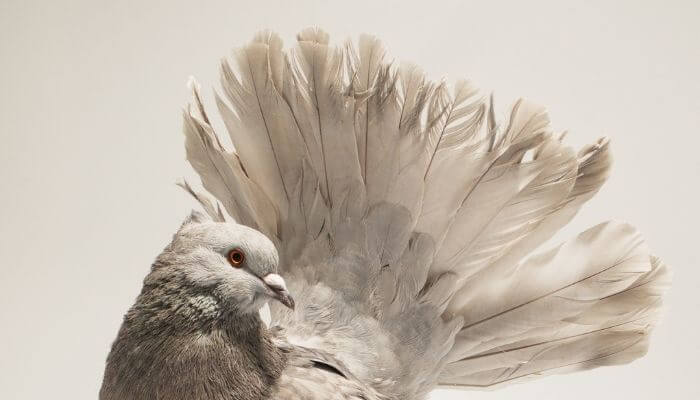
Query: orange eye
{"points": [[236, 258]]}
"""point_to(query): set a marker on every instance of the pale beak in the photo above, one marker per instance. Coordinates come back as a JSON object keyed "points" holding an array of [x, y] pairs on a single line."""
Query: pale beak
{"points": [[276, 284]]}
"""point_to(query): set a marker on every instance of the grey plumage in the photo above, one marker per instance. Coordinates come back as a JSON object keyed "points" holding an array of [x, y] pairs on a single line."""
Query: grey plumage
{"points": [[194, 330], [403, 218]]}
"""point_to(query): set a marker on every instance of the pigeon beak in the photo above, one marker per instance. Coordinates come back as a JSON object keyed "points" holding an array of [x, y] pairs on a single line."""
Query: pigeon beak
{"points": [[276, 284]]}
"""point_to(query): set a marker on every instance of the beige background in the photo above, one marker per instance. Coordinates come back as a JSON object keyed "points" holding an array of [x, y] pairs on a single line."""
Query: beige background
{"points": [[91, 95]]}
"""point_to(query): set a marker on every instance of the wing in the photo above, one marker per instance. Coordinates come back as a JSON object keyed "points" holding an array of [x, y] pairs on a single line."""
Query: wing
{"points": [[312, 374], [309, 383], [406, 216]]}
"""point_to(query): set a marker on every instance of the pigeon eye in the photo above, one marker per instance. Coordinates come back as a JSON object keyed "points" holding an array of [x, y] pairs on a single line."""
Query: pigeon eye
{"points": [[236, 258]]}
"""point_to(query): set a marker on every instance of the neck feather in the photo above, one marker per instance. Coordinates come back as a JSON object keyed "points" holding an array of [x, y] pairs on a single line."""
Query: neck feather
{"points": [[180, 347]]}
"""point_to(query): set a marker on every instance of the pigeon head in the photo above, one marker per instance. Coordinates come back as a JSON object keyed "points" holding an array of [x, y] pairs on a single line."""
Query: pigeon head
{"points": [[229, 266]]}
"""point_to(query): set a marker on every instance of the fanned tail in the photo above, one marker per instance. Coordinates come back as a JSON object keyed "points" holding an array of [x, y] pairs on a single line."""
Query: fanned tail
{"points": [[405, 215]]}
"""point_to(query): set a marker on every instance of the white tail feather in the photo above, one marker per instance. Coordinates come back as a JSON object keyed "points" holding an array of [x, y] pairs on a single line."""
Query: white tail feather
{"points": [[414, 204]]}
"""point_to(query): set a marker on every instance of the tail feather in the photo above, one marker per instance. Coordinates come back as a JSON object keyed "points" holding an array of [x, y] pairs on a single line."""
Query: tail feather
{"points": [[593, 168], [405, 218], [506, 203], [223, 175], [584, 325]]}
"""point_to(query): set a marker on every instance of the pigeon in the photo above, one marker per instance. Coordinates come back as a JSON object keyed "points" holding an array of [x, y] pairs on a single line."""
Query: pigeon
{"points": [[399, 232]]}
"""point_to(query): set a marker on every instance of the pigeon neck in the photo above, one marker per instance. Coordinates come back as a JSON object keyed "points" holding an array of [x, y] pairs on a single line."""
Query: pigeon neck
{"points": [[191, 350]]}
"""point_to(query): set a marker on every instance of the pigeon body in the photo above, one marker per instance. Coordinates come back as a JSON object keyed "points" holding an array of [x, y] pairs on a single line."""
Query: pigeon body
{"points": [[395, 224]]}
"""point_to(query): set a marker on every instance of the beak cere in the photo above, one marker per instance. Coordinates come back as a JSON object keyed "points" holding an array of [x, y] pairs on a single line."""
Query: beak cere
{"points": [[276, 284]]}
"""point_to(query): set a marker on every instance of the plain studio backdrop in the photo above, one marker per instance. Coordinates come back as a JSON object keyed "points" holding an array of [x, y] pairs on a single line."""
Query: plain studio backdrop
{"points": [[90, 117]]}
